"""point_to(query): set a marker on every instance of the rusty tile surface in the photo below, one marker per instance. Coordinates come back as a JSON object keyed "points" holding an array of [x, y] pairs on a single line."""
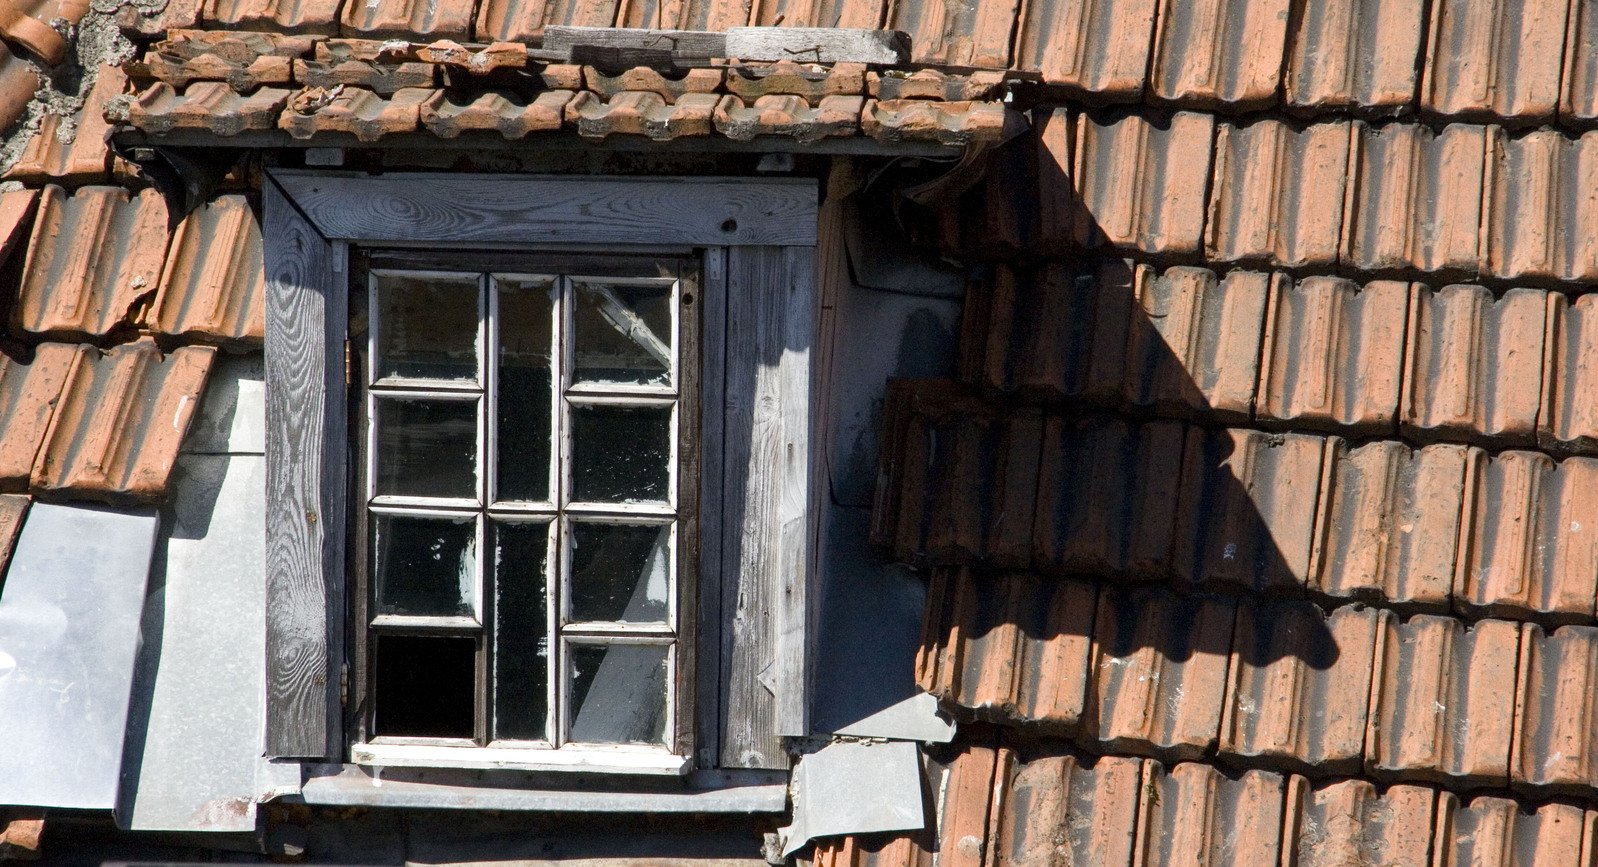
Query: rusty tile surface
{"points": [[1201, 815], [1140, 181], [93, 261], [1356, 54], [511, 115], [1277, 193], [1444, 705], [434, 19], [1539, 205], [300, 17], [1248, 503], [122, 415], [1334, 355], [1556, 741], [1391, 525], [29, 391], [212, 106], [1220, 52], [1532, 546], [1494, 58], [1474, 365], [1567, 423], [214, 284], [1097, 47], [1300, 685], [1499, 832], [49, 155], [1417, 198], [975, 33], [1354, 822], [1160, 664]]}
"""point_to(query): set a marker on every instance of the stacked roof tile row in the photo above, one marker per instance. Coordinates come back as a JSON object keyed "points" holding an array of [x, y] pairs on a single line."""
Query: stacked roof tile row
{"points": [[237, 82], [1389, 358], [1008, 802], [1267, 684], [1339, 194], [1441, 527]]}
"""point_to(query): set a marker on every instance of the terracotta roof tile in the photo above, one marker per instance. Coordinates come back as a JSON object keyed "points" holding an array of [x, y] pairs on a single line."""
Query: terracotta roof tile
{"points": [[1352, 822], [1200, 814], [814, 82], [983, 499], [86, 159], [28, 396], [1444, 703], [641, 113], [946, 123], [1391, 525], [1490, 58], [475, 60], [1556, 743], [645, 80], [1248, 508], [93, 261], [880, 851], [300, 17], [1474, 365], [122, 415], [1061, 806], [1300, 685], [13, 509], [1538, 211], [1160, 664], [524, 20], [1095, 47], [692, 15], [1418, 199], [1194, 345], [435, 19], [975, 34], [214, 284], [1141, 184], [207, 105], [252, 60], [1333, 354], [1356, 54], [358, 112], [1578, 92], [788, 116], [929, 84], [1498, 832], [16, 215], [18, 82], [967, 790], [383, 79], [509, 114], [1527, 554], [1277, 194], [1228, 52], [1568, 419]]}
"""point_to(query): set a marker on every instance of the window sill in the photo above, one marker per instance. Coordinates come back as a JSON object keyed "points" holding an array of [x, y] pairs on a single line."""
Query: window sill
{"points": [[738, 792], [590, 761]]}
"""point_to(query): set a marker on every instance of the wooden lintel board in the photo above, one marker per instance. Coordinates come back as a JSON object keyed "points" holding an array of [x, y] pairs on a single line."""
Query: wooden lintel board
{"points": [[701, 43], [819, 45]]}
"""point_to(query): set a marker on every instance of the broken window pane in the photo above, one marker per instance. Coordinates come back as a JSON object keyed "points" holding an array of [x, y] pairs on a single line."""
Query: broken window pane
{"points": [[526, 311], [620, 572], [425, 565], [623, 333], [424, 686], [521, 630], [426, 447], [621, 454], [618, 693], [426, 326]]}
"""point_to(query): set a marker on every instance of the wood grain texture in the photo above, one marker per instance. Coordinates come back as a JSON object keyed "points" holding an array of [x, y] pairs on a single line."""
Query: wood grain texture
{"points": [[429, 208], [713, 634], [819, 45], [701, 43], [795, 290], [305, 483]]}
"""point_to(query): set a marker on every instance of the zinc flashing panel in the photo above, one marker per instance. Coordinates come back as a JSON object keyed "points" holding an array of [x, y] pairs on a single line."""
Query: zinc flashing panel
{"points": [[69, 632]]}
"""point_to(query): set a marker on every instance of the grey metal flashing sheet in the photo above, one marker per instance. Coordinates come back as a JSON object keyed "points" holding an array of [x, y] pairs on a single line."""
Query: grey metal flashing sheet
{"points": [[855, 788], [195, 731], [69, 630]]}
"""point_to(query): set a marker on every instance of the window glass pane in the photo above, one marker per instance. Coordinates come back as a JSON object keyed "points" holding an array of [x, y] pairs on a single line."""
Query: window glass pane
{"points": [[425, 566], [623, 333], [426, 326], [424, 686], [618, 693], [620, 454], [619, 572], [426, 448], [526, 311], [521, 630]]}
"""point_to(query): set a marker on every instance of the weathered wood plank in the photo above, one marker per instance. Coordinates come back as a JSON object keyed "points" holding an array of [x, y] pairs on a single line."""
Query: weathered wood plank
{"points": [[429, 208], [819, 45], [713, 634], [696, 43], [305, 311], [754, 442], [793, 590]]}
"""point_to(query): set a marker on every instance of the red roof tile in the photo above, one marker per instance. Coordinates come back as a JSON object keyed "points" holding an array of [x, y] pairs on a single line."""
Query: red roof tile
{"points": [[1487, 58], [86, 158], [1194, 344], [213, 287], [1064, 807], [1556, 740], [1199, 814], [1498, 832], [1355, 54], [13, 508], [1226, 52], [1277, 193], [1538, 210], [207, 105], [1417, 200], [509, 114], [975, 33], [1568, 419], [1140, 182], [434, 19], [1352, 822], [28, 397], [300, 17], [358, 112], [1098, 47]]}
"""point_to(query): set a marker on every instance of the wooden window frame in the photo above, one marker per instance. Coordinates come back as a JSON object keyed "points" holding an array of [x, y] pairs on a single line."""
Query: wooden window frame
{"points": [[756, 237]]}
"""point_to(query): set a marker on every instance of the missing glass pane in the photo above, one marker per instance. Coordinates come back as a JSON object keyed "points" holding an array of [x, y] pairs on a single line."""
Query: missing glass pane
{"points": [[424, 686], [425, 566], [521, 631], [426, 326], [426, 448], [522, 399], [623, 333], [621, 454], [620, 572], [618, 693]]}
